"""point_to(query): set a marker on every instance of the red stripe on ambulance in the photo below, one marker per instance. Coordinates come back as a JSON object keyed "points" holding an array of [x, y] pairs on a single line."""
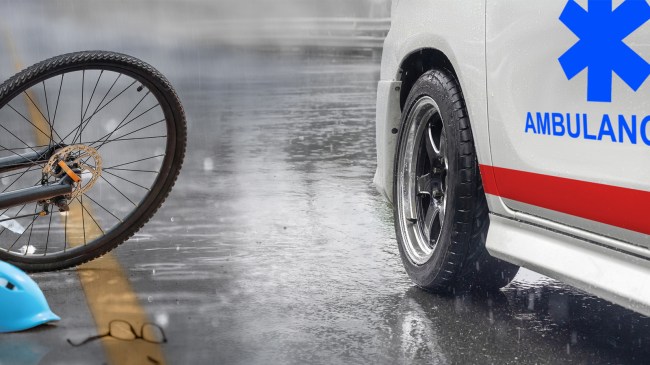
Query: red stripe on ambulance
{"points": [[613, 205]]}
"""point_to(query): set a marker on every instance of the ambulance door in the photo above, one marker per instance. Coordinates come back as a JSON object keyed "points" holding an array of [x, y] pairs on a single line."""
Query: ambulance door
{"points": [[569, 99]]}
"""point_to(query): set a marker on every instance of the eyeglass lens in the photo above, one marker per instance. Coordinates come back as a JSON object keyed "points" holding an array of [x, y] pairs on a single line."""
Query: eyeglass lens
{"points": [[152, 333], [122, 331]]}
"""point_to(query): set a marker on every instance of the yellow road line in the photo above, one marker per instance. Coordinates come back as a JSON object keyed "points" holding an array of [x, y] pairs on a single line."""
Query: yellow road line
{"points": [[109, 293], [42, 128]]}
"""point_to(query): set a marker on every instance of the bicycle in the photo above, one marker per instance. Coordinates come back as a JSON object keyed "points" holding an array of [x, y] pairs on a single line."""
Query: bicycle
{"points": [[91, 144]]}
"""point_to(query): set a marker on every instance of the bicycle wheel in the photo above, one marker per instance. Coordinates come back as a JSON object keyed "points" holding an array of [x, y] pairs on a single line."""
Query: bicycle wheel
{"points": [[115, 119]]}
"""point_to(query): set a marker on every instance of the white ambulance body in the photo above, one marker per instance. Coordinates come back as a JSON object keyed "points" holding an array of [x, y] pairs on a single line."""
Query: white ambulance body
{"points": [[537, 111]]}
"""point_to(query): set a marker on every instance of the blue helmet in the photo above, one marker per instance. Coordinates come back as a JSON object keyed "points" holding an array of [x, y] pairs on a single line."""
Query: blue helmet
{"points": [[22, 304]]}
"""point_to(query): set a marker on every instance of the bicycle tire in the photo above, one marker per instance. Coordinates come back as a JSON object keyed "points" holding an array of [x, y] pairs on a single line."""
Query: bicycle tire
{"points": [[170, 167]]}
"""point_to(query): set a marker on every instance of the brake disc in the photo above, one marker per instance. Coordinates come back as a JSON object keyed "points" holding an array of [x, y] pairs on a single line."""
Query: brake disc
{"points": [[82, 163]]}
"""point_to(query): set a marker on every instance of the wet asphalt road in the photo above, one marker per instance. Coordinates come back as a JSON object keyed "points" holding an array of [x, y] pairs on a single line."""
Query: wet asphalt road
{"points": [[275, 248]]}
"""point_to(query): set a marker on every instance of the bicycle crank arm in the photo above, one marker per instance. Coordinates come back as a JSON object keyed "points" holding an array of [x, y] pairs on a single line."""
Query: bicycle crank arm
{"points": [[34, 194]]}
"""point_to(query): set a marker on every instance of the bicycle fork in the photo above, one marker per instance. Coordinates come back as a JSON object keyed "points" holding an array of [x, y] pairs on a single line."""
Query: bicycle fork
{"points": [[37, 193]]}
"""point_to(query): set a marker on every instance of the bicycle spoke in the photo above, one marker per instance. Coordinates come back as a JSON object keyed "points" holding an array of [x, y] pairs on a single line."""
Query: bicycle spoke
{"points": [[124, 139], [36, 106], [135, 131], [18, 138], [127, 180], [22, 148], [47, 106], [119, 191], [81, 108], [97, 110], [29, 121], [42, 115], [92, 94], [89, 214], [132, 170], [21, 235], [18, 178], [47, 239], [83, 219], [14, 174], [31, 230], [17, 154], [56, 108], [132, 139], [127, 116], [6, 210], [140, 160], [17, 214], [101, 206], [87, 121], [65, 233]]}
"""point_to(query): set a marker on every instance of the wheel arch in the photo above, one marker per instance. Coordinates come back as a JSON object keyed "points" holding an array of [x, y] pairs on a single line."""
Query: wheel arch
{"points": [[416, 64], [422, 59]]}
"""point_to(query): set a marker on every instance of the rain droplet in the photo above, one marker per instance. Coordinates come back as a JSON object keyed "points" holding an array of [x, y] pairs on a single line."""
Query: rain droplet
{"points": [[86, 175], [208, 164], [162, 319], [111, 125], [29, 250]]}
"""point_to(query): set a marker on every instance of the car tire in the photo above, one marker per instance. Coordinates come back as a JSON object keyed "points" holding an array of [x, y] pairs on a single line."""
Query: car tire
{"points": [[440, 209]]}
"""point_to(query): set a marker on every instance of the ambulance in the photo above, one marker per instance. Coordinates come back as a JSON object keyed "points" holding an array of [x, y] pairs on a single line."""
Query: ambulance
{"points": [[516, 133]]}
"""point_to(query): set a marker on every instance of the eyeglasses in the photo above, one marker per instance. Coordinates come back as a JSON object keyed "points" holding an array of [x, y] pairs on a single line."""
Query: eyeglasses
{"points": [[124, 331]]}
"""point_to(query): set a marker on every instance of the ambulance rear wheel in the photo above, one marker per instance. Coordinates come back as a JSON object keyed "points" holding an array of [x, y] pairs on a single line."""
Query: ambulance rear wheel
{"points": [[440, 209]]}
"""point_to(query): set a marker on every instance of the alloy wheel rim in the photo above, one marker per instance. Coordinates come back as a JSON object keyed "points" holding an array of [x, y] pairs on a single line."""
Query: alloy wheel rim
{"points": [[422, 180]]}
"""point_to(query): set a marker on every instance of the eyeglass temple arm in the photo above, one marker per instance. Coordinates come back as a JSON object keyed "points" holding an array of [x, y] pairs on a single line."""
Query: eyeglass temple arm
{"points": [[89, 339]]}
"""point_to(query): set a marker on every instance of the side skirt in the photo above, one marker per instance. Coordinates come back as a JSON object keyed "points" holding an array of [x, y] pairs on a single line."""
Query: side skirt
{"points": [[613, 275]]}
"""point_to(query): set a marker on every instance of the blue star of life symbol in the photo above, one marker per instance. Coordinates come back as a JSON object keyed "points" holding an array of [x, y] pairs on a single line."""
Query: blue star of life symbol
{"points": [[601, 48]]}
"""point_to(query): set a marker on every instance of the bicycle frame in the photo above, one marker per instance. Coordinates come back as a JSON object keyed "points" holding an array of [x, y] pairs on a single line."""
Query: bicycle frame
{"points": [[36, 193]]}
